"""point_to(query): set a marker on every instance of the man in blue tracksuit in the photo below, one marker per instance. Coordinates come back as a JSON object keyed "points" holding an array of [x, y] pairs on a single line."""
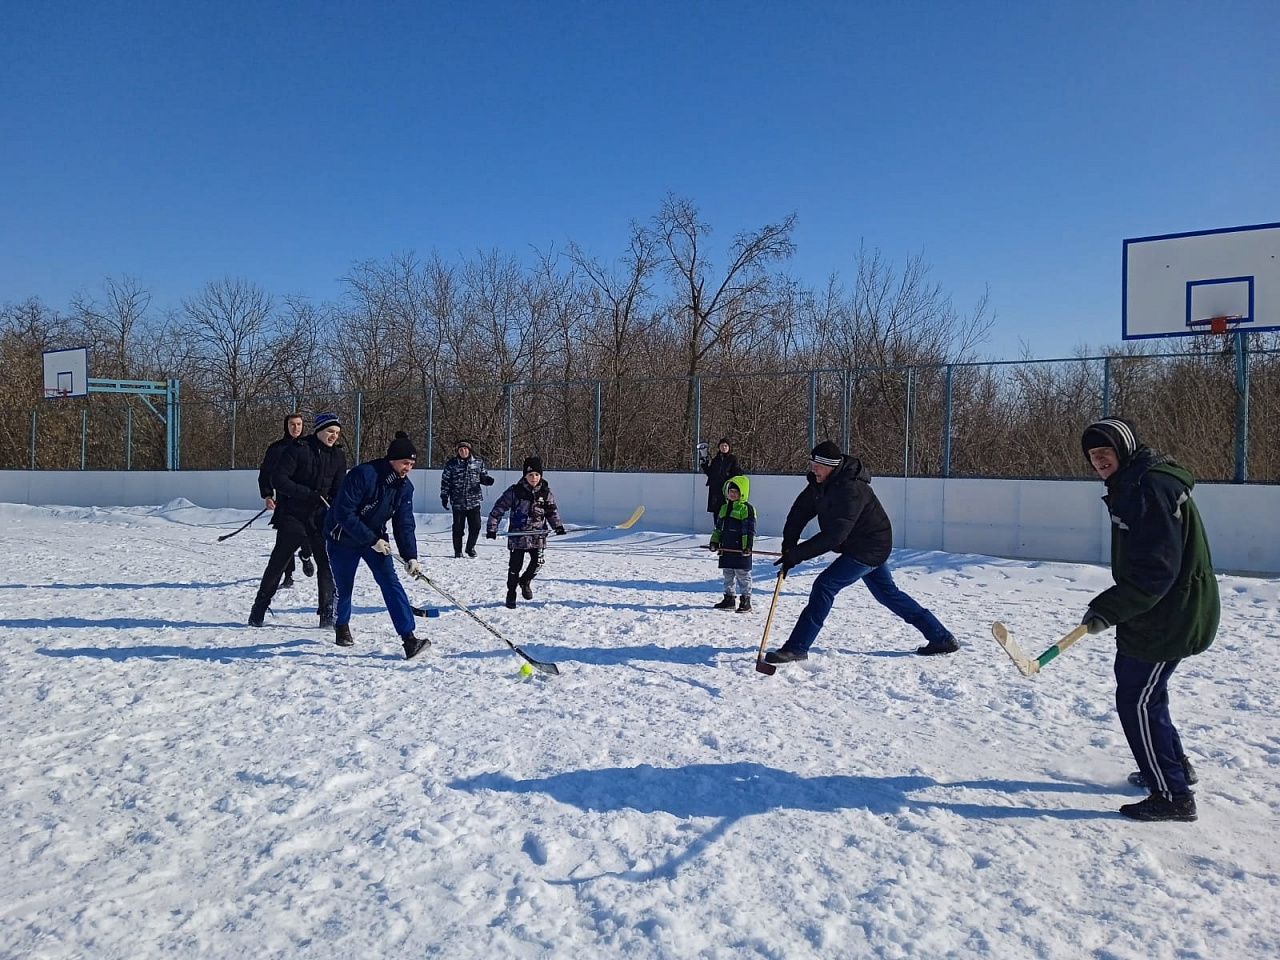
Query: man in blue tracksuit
{"points": [[356, 529]]}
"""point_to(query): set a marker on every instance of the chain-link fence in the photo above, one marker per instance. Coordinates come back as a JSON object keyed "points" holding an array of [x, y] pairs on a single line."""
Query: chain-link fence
{"points": [[1217, 414]]}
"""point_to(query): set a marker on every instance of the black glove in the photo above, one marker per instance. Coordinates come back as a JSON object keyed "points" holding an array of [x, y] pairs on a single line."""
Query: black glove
{"points": [[444, 503], [491, 534], [787, 560], [714, 547], [560, 531], [1094, 621], [487, 481]]}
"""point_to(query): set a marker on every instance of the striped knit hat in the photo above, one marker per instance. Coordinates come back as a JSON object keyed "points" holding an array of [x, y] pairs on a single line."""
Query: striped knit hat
{"points": [[826, 453], [1114, 433]]}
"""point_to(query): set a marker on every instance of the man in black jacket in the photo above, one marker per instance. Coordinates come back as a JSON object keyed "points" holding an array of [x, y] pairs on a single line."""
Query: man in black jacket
{"points": [[305, 481], [851, 522], [292, 437]]}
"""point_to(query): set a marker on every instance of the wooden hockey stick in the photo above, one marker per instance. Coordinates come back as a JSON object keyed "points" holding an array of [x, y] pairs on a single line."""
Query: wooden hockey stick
{"points": [[1025, 664], [769, 669], [761, 553]]}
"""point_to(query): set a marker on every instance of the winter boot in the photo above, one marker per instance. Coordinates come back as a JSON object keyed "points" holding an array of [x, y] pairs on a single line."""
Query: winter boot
{"points": [[308, 567], [783, 655], [512, 582], [342, 635], [934, 647], [326, 616], [258, 613], [471, 552], [728, 603], [1138, 780], [414, 645], [744, 604], [1156, 807], [526, 587], [287, 582]]}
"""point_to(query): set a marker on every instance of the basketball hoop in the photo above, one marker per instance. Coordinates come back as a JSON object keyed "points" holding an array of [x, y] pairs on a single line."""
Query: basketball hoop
{"points": [[1218, 325]]}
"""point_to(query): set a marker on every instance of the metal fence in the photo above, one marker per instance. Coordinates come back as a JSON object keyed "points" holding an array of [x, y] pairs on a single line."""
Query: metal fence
{"points": [[1218, 412]]}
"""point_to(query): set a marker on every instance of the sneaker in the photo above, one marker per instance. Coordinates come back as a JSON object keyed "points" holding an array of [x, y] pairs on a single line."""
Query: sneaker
{"points": [[947, 644], [342, 635], [414, 645], [1156, 807], [1138, 780], [471, 552], [784, 655], [744, 604], [287, 582], [727, 603], [308, 567], [511, 597], [526, 590]]}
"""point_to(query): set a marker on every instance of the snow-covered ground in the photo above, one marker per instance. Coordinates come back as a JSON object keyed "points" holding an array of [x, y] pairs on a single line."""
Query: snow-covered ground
{"points": [[174, 783]]}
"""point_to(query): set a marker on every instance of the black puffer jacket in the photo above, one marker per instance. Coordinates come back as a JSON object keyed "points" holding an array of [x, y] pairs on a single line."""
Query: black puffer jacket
{"points": [[719, 469], [306, 472], [269, 461], [850, 518]]}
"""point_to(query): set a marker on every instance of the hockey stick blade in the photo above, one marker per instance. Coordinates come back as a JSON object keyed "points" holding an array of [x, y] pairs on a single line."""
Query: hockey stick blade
{"points": [[425, 611], [1026, 666]]}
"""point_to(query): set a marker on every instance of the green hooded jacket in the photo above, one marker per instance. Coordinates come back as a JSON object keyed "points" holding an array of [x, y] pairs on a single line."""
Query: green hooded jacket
{"points": [[1165, 600]]}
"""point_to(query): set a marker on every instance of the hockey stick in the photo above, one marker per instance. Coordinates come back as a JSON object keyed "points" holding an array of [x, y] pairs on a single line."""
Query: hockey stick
{"points": [[769, 669], [762, 553], [548, 668], [1025, 664], [228, 536], [425, 611], [625, 525]]}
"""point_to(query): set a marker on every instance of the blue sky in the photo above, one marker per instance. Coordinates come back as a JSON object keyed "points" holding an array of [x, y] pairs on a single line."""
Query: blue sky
{"points": [[1014, 146]]}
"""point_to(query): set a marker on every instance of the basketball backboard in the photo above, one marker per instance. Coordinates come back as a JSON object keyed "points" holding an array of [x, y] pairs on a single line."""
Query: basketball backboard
{"points": [[1174, 285], [66, 373]]}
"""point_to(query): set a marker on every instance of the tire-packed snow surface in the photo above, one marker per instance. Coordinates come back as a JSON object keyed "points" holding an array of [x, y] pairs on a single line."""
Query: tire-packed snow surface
{"points": [[174, 783]]}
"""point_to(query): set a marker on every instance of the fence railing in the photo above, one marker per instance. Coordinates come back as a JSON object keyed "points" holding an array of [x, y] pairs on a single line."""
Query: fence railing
{"points": [[1217, 411]]}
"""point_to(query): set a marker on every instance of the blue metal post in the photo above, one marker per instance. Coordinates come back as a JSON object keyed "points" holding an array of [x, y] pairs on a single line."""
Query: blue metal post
{"points": [[509, 425], [946, 425], [813, 409], [84, 434], [906, 426], [128, 438], [697, 419], [233, 434], [431, 427], [33, 439], [1242, 407], [595, 457], [359, 413], [1106, 387]]}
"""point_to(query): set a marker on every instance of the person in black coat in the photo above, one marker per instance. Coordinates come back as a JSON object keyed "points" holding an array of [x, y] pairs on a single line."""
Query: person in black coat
{"points": [[851, 522], [306, 481], [719, 469], [292, 437]]}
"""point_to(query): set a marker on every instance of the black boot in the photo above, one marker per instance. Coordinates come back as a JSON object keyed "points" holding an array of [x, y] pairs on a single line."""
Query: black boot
{"points": [[512, 582], [744, 604], [1156, 808], [526, 587], [728, 603], [308, 567], [342, 635], [783, 655], [414, 645], [935, 647], [287, 582], [259, 612]]}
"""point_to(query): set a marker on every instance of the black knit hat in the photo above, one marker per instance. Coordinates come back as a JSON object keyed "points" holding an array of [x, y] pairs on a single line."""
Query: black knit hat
{"points": [[826, 453], [531, 465], [324, 420], [402, 448], [725, 441], [1113, 432]]}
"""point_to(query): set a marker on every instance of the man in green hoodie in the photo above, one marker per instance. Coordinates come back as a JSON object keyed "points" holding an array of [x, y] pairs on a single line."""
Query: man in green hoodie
{"points": [[1164, 605]]}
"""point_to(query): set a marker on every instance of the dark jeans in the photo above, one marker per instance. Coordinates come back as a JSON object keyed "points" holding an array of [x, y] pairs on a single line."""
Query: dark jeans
{"points": [[1142, 701], [843, 572], [288, 540], [516, 561], [345, 558], [471, 520]]}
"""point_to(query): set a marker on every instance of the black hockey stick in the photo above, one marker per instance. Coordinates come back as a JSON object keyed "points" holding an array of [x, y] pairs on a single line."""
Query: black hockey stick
{"points": [[228, 536], [425, 611], [547, 668]]}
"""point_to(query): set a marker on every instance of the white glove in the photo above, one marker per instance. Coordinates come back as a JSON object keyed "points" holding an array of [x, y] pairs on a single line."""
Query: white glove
{"points": [[1094, 622], [381, 546], [413, 568]]}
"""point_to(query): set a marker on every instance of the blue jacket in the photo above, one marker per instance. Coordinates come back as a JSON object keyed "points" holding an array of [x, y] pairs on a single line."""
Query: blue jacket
{"points": [[372, 495]]}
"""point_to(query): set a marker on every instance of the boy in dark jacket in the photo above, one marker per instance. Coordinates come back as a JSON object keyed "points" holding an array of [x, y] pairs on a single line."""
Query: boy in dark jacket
{"points": [[292, 437], [533, 510], [733, 537], [853, 524], [307, 475], [1164, 605], [460, 482], [373, 494]]}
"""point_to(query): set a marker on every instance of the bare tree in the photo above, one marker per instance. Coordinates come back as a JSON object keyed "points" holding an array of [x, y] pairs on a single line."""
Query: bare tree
{"points": [[232, 348]]}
